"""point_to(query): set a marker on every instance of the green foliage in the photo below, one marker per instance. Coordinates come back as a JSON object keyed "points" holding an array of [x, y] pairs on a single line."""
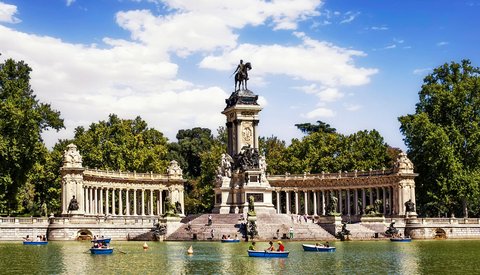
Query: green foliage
{"points": [[22, 120], [443, 137], [122, 144], [308, 128]]}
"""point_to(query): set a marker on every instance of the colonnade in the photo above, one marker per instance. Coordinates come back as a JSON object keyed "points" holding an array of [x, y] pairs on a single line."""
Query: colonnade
{"points": [[350, 201], [124, 201]]}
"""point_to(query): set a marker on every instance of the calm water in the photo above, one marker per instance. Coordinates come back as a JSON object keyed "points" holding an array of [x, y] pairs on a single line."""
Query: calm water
{"points": [[361, 257]]}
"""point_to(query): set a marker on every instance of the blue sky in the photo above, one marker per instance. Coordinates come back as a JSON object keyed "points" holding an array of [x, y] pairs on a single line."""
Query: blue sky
{"points": [[353, 64]]}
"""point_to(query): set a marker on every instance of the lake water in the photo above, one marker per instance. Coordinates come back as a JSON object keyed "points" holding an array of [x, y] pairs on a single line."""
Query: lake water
{"points": [[359, 257]]}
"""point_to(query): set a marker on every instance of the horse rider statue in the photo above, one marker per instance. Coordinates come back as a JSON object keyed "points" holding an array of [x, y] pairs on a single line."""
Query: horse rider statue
{"points": [[241, 75]]}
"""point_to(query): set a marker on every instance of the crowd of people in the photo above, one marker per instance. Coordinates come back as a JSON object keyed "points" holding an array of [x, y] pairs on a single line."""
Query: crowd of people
{"points": [[281, 247]]}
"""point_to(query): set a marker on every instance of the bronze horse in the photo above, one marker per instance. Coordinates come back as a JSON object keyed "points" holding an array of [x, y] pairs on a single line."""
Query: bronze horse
{"points": [[241, 77]]}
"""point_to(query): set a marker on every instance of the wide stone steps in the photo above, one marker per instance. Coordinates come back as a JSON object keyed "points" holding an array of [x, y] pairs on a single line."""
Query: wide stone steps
{"points": [[360, 232], [222, 224]]}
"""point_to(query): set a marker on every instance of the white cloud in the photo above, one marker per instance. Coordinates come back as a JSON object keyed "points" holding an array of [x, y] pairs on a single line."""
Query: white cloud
{"points": [[421, 71], [380, 28], [312, 60], [352, 107], [7, 13], [393, 46], [349, 17], [330, 95], [442, 43], [320, 113], [70, 2]]}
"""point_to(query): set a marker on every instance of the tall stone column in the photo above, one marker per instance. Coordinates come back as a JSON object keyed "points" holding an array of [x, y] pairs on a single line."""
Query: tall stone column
{"points": [[278, 201], [95, 204], [90, 201], [364, 200], [349, 207], [127, 201], [296, 203], [287, 197], [107, 203], [315, 203], [340, 201], [355, 198], [100, 208], [120, 202], [113, 202], [143, 202], [161, 201], [151, 202], [135, 202], [370, 191], [305, 201], [72, 183], [384, 201], [323, 203]]}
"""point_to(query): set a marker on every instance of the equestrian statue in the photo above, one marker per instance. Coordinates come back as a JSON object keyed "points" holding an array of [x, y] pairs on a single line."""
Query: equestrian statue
{"points": [[241, 75]]}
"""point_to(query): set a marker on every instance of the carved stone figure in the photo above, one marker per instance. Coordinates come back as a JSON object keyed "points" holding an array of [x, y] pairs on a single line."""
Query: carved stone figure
{"points": [[225, 169], [409, 206], [73, 205], [403, 164], [174, 169], [170, 210], [247, 158], [71, 157], [178, 208], [262, 164], [251, 206], [391, 230]]}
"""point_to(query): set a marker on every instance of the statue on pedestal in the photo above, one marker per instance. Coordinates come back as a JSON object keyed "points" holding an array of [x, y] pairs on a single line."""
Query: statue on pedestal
{"points": [[73, 205], [409, 206], [241, 75]]}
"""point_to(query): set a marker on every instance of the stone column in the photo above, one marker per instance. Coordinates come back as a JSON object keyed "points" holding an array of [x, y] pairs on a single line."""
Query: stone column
{"points": [[120, 202], [96, 201], [143, 202], [296, 202], [364, 200], [151, 202], [370, 191], [278, 201], [135, 202], [113, 202], [85, 198], [323, 202], [127, 201], [90, 201], [340, 201], [305, 202], [355, 199], [107, 204], [287, 198], [100, 208], [384, 201], [315, 203], [349, 207], [160, 201]]}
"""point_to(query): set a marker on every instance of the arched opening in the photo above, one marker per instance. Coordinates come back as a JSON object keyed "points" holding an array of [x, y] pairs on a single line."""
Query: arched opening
{"points": [[440, 234], [84, 235]]}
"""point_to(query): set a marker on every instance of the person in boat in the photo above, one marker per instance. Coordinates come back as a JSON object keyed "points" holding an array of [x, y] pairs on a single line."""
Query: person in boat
{"points": [[319, 245], [327, 244], [27, 239], [252, 246], [281, 248], [271, 248]]}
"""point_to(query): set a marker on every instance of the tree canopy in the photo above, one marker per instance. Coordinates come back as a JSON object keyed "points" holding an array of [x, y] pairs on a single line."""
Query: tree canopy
{"points": [[22, 120], [443, 140]]}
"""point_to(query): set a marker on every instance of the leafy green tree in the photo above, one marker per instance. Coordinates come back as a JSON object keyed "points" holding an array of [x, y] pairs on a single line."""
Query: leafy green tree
{"points": [[22, 120], [274, 150], [122, 144], [308, 128], [443, 139]]}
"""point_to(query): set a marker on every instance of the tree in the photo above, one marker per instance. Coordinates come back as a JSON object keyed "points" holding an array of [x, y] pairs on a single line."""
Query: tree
{"points": [[308, 128], [22, 120], [443, 139], [122, 144]]}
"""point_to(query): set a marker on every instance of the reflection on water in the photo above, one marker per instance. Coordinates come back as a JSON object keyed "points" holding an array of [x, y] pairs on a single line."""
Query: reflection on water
{"points": [[367, 257]]}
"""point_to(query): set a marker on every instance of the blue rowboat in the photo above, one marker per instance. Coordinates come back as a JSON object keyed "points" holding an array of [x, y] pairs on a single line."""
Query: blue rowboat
{"points": [[401, 240], [103, 250], [230, 241], [35, 243], [314, 248], [268, 254]]}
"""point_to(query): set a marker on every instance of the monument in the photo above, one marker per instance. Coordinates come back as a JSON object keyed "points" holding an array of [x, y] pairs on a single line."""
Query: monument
{"points": [[242, 171]]}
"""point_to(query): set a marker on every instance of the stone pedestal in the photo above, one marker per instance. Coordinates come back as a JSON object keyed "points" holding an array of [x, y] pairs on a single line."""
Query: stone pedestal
{"points": [[173, 223], [332, 224]]}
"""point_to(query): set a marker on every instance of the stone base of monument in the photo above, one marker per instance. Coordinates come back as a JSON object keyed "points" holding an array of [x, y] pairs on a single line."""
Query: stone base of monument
{"points": [[332, 224], [367, 220], [173, 223]]}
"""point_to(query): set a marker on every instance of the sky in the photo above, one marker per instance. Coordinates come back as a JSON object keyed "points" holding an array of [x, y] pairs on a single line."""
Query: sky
{"points": [[356, 65]]}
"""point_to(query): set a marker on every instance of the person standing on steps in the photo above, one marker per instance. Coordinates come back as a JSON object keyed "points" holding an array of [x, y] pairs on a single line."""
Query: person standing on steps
{"points": [[291, 232], [209, 219]]}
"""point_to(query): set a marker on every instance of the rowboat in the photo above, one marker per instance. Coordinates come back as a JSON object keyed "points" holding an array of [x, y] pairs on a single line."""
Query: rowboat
{"points": [[268, 254], [102, 250], [230, 241], [316, 248], [401, 240], [35, 242], [101, 246]]}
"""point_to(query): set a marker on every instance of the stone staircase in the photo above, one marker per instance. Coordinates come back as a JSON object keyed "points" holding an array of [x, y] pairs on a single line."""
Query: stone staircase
{"points": [[222, 224], [360, 232], [268, 225]]}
